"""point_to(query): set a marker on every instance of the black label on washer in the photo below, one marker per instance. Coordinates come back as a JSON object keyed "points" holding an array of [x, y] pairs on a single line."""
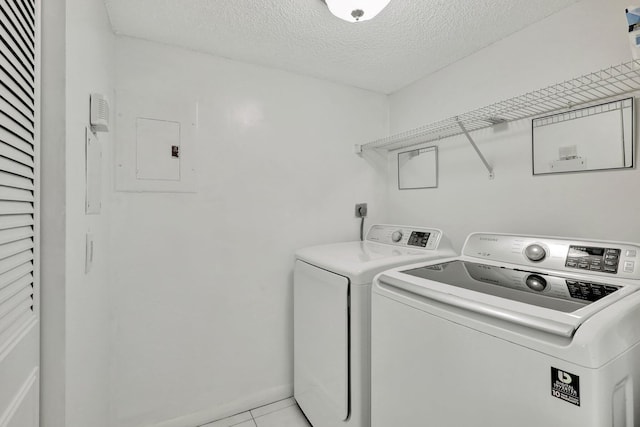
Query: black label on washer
{"points": [[565, 386]]}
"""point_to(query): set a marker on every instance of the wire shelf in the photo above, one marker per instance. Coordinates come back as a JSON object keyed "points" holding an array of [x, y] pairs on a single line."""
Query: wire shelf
{"points": [[607, 83]]}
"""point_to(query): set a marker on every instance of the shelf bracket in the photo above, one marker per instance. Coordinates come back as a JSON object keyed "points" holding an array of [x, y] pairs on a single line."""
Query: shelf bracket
{"points": [[475, 147]]}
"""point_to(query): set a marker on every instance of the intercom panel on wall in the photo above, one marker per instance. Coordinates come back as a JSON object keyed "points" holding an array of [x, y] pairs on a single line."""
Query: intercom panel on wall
{"points": [[99, 112], [155, 143]]}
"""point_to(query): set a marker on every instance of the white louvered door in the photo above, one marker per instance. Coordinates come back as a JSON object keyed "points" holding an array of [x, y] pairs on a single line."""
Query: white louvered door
{"points": [[19, 238]]}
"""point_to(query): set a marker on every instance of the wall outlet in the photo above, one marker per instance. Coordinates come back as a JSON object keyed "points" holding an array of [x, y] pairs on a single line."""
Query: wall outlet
{"points": [[361, 210]]}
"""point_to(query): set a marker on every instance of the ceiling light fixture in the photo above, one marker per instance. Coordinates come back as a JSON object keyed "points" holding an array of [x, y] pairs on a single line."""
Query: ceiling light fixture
{"points": [[356, 10]]}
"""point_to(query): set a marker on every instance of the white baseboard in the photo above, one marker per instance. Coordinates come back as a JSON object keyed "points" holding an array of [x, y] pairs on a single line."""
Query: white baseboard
{"points": [[241, 405]]}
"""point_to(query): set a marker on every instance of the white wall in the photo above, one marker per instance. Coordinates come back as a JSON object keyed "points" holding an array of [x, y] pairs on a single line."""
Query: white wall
{"points": [[90, 55], [77, 60], [202, 282], [585, 37]]}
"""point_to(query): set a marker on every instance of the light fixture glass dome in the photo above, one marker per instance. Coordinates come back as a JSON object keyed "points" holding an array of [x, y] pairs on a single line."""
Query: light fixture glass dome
{"points": [[356, 10]]}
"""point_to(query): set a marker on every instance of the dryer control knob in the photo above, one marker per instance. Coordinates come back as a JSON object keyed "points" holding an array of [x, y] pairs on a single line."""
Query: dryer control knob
{"points": [[536, 283], [535, 252], [396, 236]]}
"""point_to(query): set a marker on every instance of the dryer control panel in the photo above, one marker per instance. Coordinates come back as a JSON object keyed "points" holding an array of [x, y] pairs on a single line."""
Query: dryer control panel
{"points": [[408, 237], [613, 259]]}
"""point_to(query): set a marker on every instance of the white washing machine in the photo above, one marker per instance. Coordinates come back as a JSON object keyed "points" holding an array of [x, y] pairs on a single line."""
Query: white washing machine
{"points": [[332, 307], [518, 331]]}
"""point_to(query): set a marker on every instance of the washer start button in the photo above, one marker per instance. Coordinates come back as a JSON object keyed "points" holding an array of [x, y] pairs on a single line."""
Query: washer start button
{"points": [[628, 266]]}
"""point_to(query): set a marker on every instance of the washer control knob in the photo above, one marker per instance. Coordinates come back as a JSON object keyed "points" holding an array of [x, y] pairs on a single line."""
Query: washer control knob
{"points": [[536, 283], [535, 252], [396, 236]]}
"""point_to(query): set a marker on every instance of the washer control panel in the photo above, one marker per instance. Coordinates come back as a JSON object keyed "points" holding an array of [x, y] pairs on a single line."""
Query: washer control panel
{"points": [[411, 237], [594, 257]]}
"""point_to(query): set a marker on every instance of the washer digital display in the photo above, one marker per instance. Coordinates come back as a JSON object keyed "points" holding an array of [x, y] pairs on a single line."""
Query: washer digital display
{"points": [[580, 251], [418, 238]]}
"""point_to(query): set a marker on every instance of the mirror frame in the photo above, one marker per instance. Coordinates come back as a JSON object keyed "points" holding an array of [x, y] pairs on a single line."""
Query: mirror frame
{"points": [[433, 148]]}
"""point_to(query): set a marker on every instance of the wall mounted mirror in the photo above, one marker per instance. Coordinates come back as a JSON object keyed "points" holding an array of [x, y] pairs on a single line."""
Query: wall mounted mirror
{"points": [[418, 168], [587, 139]]}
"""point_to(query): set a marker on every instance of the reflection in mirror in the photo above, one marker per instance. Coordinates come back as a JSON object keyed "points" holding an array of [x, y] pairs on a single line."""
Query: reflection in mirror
{"points": [[593, 138], [418, 168]]}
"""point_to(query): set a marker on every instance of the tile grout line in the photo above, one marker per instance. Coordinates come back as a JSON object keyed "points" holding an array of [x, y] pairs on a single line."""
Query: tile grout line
{"points": [[272, 403], [250, 411], [275, 410]]}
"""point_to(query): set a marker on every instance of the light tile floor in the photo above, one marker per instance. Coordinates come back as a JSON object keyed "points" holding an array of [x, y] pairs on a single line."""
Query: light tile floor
{"points": [[283, 413]]}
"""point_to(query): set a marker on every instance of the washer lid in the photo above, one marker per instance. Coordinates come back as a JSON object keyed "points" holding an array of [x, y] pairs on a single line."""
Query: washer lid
{"points": [[535, 288], [361, 261], [534, 299]]}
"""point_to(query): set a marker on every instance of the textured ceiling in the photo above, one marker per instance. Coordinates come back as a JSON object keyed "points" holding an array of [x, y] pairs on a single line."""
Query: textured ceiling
{"points": [[408, 40]]}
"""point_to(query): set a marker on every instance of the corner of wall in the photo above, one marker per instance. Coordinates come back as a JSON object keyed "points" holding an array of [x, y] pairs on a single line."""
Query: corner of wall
{"points": [[53, 215]]}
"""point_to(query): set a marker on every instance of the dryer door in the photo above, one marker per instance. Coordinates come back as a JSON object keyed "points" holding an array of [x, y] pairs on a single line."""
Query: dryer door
{"points": [[321, 343]]}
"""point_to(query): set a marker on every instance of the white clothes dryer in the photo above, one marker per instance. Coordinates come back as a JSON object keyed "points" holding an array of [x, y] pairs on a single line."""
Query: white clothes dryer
{"points": [[520, 331], [332, 303]]}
